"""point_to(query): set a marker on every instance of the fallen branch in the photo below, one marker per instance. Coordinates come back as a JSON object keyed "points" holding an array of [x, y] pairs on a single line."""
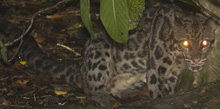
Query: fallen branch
{"points": [[20, 38]]}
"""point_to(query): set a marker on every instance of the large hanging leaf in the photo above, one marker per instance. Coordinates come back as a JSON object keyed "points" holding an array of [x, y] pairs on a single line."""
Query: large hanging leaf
{"points": [[85, 16], [114, 16]]}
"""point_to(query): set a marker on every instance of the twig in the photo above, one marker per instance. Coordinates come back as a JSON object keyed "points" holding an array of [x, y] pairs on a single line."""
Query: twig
{"points": [[31, 23], [29, 27], [35, 99], [44, 10], [68, 48], [21, 106], [22, 36], [21, 40]]}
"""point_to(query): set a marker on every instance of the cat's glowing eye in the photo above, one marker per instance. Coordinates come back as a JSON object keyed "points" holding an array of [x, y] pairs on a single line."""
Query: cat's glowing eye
{"points": [[185, 43], [204, 43]]}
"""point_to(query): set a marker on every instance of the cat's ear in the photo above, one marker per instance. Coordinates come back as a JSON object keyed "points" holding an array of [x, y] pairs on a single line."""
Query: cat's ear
{"points": [[210, 27], [211, 24], [178, 18]]}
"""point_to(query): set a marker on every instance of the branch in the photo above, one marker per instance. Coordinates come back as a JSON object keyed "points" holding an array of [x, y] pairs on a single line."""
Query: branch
{"points": [[20, 38], [210, 13], [68, 48]]}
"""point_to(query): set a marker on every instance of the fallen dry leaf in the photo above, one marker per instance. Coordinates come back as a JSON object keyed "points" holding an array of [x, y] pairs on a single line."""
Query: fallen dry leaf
{"points": [[60, 92]]}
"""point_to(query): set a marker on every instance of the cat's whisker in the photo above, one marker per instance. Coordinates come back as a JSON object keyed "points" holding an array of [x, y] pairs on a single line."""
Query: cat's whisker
{"points": [[202, 60], [154, 57], [201, 64], [188, 61]]}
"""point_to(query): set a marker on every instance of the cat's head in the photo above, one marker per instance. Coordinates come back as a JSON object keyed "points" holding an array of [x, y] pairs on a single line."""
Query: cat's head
{"points": [[195, 37]]}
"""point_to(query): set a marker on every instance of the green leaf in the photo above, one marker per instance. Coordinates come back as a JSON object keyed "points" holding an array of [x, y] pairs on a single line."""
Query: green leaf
{"points": [[72, 29], [85, 16], [114, 16]]}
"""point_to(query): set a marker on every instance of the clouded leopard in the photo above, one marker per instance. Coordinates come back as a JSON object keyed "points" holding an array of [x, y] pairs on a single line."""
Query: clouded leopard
{"points": [[154, 56]]}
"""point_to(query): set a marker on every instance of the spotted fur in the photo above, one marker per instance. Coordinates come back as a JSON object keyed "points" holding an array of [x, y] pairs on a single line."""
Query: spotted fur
{"points": [[152, 57]]}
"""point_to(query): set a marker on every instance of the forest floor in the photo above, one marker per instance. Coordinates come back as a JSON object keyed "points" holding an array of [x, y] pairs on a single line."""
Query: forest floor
{"points": [[21, 87]]}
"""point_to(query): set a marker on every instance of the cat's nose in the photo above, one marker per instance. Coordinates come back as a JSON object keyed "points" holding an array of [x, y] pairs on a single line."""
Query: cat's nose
{"points": [[196, 60]]}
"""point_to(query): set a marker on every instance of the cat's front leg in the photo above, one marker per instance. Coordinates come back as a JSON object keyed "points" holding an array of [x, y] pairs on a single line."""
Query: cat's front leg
{"points": [[160, 85]]}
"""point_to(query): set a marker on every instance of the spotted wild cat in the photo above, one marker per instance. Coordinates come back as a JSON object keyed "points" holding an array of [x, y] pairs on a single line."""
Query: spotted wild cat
{"points": [[170, 41]]}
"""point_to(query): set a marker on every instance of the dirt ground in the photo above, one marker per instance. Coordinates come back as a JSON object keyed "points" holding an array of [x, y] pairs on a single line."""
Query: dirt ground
{"points": [[20, 86]]}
